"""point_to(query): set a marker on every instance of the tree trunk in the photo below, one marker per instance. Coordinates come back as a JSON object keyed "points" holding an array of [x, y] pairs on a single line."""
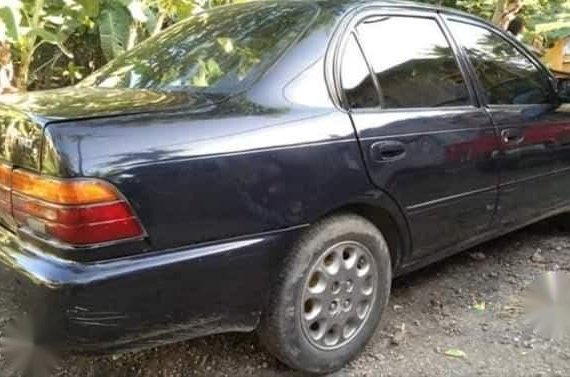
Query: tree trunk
{"points": [[133, 34], [500, 9], [23, 72], [505, 12], [159, 23]]}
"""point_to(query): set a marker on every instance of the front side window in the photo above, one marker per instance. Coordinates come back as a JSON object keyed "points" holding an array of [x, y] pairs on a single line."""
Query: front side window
{"points": [[218, 51], [507, 76], [413, 62]]}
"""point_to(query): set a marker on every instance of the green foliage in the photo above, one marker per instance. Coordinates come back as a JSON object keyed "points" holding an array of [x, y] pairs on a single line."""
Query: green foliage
{"points": [[177, 9], [552, 21], [533, 11], [119, 25], [114, 29], [546, 18], [90, 7], [30, 24], [56, 41], [10, 17], [125, 23], [481, 8]]}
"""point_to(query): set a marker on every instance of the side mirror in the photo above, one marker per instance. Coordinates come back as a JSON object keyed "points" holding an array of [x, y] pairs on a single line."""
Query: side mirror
{"points": [[564, 89]]}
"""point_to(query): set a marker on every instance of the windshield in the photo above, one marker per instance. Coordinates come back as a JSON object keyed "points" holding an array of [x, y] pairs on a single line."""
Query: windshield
{"points": [[219, 51]]}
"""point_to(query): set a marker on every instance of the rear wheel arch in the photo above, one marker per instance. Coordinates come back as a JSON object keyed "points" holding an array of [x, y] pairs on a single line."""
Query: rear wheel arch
{"points": [[385, 213], [393, 227]]}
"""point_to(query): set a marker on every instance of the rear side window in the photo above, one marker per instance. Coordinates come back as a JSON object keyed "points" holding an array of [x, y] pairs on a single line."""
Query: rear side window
{"points": [[219, 51], [507, 76], [413, 62]]}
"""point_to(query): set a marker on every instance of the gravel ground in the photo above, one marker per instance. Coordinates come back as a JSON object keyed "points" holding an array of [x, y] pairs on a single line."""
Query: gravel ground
{"points": [[460, 317]]}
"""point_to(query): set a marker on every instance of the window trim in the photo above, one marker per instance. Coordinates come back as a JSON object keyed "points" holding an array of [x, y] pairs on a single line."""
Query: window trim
{"points": [[350, 30], [353, 34], [547, 76]]}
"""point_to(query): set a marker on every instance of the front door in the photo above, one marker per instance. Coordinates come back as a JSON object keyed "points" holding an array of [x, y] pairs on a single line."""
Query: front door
{"points": [[423, 137], [534, 131]]}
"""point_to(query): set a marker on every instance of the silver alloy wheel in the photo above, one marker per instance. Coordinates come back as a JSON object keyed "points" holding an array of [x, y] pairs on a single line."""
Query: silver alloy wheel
{"points": [[338, 294]]}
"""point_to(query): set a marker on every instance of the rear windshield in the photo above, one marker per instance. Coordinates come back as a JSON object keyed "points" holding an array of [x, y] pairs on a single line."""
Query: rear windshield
{"points": [[219, 51]]}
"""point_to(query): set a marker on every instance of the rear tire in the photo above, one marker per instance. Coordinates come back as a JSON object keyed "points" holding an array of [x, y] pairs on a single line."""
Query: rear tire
{"points": [[561, 222], [330, 296]]}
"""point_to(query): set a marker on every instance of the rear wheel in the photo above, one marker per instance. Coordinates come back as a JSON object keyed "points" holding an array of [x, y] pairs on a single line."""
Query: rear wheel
{"points": [[330, 295]]}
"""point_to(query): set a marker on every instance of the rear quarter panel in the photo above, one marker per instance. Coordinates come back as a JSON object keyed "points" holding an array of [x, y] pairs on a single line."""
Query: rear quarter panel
{"points": [[235, 169]]}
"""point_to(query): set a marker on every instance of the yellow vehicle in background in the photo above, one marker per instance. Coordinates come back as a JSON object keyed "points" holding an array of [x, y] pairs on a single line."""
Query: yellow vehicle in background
{"points": [[558, 56]]}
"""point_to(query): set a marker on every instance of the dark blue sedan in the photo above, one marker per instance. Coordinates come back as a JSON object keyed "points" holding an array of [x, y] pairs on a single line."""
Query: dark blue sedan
{"points": [[271, 166]]}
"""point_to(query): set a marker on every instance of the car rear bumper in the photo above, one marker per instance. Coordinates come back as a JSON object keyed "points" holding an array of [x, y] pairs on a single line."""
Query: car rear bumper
{"points": [[141, 301]]}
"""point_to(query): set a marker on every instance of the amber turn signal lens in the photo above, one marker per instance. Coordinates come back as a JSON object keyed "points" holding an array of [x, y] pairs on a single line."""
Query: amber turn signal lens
{"points": [[69, 192], [5, 176]]}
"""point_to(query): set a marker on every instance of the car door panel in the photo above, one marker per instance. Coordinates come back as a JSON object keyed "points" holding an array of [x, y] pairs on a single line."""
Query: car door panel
{"points": [[423, 138], [535, 173], [446, 178], [534, 131]]}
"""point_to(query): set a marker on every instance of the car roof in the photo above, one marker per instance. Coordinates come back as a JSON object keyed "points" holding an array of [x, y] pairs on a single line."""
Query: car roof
{"points": [[341, 7], [347, 5]]}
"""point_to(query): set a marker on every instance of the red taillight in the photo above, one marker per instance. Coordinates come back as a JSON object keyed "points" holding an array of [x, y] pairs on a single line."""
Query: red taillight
{"points": [[78, 212], [90, 233]]}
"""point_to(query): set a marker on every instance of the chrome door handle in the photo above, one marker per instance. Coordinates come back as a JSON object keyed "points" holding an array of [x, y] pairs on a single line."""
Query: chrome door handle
{"points": [[512, 136], [385, 151]]}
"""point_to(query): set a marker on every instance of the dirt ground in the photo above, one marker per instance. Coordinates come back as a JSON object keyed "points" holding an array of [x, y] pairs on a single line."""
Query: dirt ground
{"points": [[460, 317]]}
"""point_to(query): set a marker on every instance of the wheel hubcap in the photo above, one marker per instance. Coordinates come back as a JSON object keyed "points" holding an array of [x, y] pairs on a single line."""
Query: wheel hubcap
{"points": [[338, 295]]}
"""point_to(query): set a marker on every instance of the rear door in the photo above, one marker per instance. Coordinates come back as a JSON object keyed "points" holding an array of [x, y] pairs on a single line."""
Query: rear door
{"points": [[534, 130], [423, 136]]}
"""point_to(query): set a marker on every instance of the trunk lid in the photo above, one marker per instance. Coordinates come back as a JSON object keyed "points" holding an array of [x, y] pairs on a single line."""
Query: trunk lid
{"points": [[87, 102], [23, 116]]}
